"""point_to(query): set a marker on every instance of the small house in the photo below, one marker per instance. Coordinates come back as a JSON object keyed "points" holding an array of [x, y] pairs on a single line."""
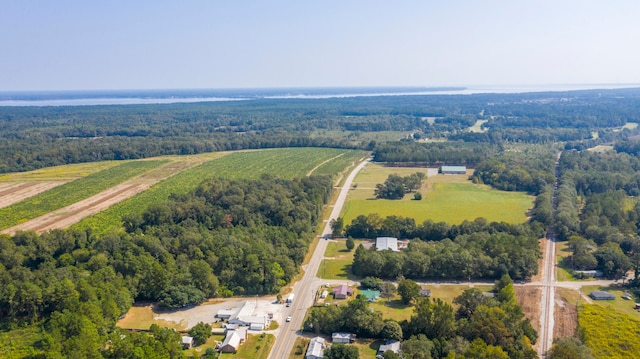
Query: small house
{"points": [[384, 243], [453, 170], [342, 291], [344, 338], [187, 342], [315, 349], [627, 296], [371, 295], [424, 292], [392, 345], [600, 295]]}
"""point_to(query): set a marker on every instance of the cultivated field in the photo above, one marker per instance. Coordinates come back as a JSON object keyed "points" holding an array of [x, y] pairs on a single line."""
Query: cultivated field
{"points": [[73, 192], [450, 198], [286, 163], [13, 192]]}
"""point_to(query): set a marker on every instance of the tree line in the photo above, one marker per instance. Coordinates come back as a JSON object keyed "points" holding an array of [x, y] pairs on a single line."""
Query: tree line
{"points": [[476, 249]]}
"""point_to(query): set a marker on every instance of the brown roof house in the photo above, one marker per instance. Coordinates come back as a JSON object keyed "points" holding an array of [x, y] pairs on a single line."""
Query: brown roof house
{"points": [[342, 291]]}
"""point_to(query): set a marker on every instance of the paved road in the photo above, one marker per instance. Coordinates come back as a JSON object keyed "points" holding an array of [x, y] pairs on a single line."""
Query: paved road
{"points": [[306, 288]]}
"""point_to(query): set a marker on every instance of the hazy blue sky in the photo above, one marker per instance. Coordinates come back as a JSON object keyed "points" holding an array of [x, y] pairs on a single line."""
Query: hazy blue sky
{"points": [[47, 45]]}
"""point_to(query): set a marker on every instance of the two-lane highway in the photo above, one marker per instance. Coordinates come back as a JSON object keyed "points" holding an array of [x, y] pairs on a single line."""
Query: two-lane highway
{"points": [[305, 288]]}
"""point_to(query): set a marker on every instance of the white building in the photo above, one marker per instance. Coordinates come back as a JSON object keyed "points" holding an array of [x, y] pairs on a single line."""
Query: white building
{"points": [[243, 316], [315, 349], [384, 243]]}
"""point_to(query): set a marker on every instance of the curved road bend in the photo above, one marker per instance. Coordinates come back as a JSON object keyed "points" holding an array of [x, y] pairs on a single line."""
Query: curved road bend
{"points": [[305, 289]]}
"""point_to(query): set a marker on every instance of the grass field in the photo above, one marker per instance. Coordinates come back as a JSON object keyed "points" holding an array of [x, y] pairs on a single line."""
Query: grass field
{"points": [[141, 317], [609, 333], [286, 163], [72, 192], [338, 262], [450, 199], [197, 352], [367, 348], [256, 347], [620, 305]]}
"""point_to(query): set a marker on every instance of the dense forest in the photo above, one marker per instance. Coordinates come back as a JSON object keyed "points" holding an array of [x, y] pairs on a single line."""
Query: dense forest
{"points": [[36, 137], [225, 238]]}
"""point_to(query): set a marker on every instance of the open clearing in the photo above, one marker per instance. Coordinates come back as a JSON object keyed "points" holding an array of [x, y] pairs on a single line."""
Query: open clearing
{"points": [[565, 314], [450, 198], [477, 127], [142, 316], [13, 192], [529, 298]]}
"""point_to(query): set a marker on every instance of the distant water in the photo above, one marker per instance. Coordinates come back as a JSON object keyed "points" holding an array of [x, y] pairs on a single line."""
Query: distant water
{"points": [[133, 97]]}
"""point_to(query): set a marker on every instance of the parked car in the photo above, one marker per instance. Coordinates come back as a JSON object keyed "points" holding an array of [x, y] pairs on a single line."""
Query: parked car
{"points": [[288, 319]]}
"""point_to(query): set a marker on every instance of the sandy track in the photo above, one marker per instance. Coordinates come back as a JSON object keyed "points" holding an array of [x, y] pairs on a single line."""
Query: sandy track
{"points": [[67, 216], [13, 192], [566, 318]]}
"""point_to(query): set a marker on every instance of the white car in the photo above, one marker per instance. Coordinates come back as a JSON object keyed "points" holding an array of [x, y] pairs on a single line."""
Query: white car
{"points": [[288, 319]]}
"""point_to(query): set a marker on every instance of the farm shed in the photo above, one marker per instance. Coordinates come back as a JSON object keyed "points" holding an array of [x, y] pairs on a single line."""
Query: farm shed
{"points": [[453, 170], [187, 342], [342, 291], [384, 243], [392, 345], [344, 338], [315, 349], [233, 340], [600, 295], [590, 273]]}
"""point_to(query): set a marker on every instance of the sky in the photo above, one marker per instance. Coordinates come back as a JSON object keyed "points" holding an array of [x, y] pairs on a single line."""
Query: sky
{"points": [[161, 44]]}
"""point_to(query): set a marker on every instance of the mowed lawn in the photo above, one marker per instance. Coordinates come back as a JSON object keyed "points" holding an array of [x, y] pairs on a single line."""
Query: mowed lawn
{"points": [[451, 199]]}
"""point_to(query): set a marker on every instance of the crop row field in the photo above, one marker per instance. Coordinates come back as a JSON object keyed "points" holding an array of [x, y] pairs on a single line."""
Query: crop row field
{"points": [[71, 192], [286, 163], [450, 198], [60, 173]]}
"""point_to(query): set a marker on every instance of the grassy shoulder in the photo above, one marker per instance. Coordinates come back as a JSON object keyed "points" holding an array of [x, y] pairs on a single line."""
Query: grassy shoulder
{"points": [[451, 199], [299, 348], [256, 346], [72, 192]]}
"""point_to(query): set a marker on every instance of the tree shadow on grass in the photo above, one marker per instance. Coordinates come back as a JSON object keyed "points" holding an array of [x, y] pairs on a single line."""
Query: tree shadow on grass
{"points": [[397, 304]]}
